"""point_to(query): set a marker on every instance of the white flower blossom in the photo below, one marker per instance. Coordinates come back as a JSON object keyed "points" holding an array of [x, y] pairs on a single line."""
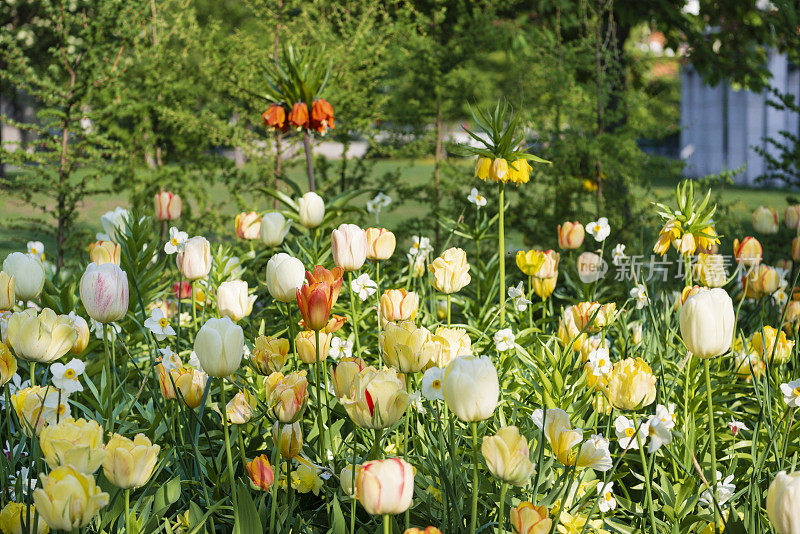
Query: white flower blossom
{"points": [[618, 255], [607, 501], [504, 339], [791, 393], [517, 296], [159, 325], [476, 198], [364, 286], [177, 240], [432, 383], [724, 491], [599, 229], [67, 377], [736, 426], [170, 359], [639, 294], [36, 249], [626, 432], [600, 360], [340, 348]]}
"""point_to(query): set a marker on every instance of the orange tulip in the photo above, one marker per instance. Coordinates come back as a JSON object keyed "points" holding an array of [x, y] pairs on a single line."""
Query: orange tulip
{"points": [[321, 116], [316, 297], [260, 472], [274, 117], [298, 117]]}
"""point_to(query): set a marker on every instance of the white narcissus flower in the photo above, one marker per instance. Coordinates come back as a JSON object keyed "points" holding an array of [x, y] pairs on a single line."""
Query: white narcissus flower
{"points": [[421, 246], [432, 382], [659, 427], [177, 240], [599, 229], [476, 198], [736, 426], [601, 361], [639, 294], [170, 359], [724, 491], [28, 485], [340, 348], [626, 432], [36, 248], [15, 384], [517, 295], [159, 325], [97, 328], [55, 406], [607, 501], [67, 377], [504, 339], [364, 286], [791, 393], [618, 255]]}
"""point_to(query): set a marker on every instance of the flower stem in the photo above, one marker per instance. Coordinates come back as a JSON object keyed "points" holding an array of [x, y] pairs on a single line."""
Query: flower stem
{"points": [[501, 256], [448, 310], [501, 515], [127, 510], [109, 421], [277, 474], [474, 514], [321, 437], [378, 299], [228, 452], [353, 313], [710, 403], [291, 334], [387, 526], [647, 484]]}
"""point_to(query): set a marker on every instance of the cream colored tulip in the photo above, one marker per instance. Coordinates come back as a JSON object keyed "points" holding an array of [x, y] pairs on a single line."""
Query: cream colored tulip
{"points": [[284, 275], [385, 487], [450, 271], [194, 261], [7, 299], [37, 406], [269, 354], [168, 206], [570, 235], [81, 328], [42, 337], [274, 228], [527, 518], [349, 247], [591, 267], [377, 399], [190, 382], [507, 456], [239, 409], [453, 342], [219, 346], [399, 305], [783, 503], [710, 270], [68, 499], [248, 225], [291, 438], [305, 343], [471, 387], [407, 348], [380, 244], [343, 376], [765, 220], [234, 300], [104, 292], [129, 463], [311, 209], [707, 323], [287, 395], [632, 385], [28, 273], [105, 252], [76, 443]]}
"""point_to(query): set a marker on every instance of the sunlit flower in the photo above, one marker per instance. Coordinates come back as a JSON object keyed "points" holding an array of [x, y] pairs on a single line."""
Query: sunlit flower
{"points": [[170, 359], [364, 286], [432, 384], [724, 492], [36, 248], [659, 427], [600, 360], [639, 295], [599, 229], [607, 501], [517, 296], [340, 348], [177, 240], [159, 325], [626, 432], [563, 439], [735, 426], [618, 256], [476, 198], [791, 393], [504, 340], [67, 377]]}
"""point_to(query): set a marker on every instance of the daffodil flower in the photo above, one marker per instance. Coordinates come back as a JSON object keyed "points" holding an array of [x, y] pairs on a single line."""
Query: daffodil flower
{"points": [[159, 325], [67, 377]]}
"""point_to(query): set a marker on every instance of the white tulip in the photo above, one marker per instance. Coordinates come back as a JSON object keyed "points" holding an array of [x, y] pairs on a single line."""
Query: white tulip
{"points": [[783, 503], [312, 210], [194, 260], [274, 228], [471, 387], [284, 275], [707, 322], [233, 300], [28, 273], [219, 346]]}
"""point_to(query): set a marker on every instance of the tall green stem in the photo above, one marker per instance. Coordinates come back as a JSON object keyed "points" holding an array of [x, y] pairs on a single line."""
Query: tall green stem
{"points": [[387, 526], [353, 317], [448, 310], [501, 517], [501, 255], [277, 461], [127, 510], [710, 405], [378, 295], [228, 453], [292, 340], [474, 514], [110, 395], [320, 426], [647, 484]]}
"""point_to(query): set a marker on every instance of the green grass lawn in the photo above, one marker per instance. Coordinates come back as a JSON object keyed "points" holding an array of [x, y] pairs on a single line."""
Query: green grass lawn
{"points": [[15, 231]]}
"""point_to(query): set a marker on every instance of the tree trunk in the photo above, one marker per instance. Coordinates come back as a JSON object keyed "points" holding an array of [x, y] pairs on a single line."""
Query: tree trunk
{"points": [[437, 155], [278, 135], [343, 175], [309, 160], [63, 179], [598, 48]]}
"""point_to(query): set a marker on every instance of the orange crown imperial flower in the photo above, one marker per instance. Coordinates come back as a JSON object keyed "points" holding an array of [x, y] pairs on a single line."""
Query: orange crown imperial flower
{"points": [[321, 116], [274, 117], [298, 117]]}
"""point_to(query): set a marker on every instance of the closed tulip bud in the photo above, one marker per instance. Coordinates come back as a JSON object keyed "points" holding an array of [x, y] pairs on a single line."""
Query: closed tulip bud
{"points": [[570, 235], [42, 337], [194, 261], [632, 385], [6, 291], [14, 514], [347, 479], [450, 271], [544, 287], [248, 225], [591, 267], [8, 365], [453, 342], [377, 398], [189, 382], [385, 487], [530, 261], [499, 170], [770, 280], [471, 387], [748, 252], [291, 438], [305, 344], [765, 220], [68, 499], [274, 227], [405, 347], [380, 244], [792, 217], [260, 472], [343, 376], [399, 305], [710, 270], [219, 346], [104, 252], [284, 275], [316, 298], [771, 345], [269, 354], [233, 300], [549, 267], [636, 333], [783, 503], [349, 246], [28, 274], [592, 317], [707, 323], [298, 116], [311, 209], [526, 518], [286, 395], [76, 443], [104, 292], [507, 456], [129, 463], [168, 207]]}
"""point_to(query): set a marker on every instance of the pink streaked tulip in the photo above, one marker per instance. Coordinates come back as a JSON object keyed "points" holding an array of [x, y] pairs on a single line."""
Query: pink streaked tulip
{"points": [[570, 235], [168, 207], [385, 487], [104, 292]]}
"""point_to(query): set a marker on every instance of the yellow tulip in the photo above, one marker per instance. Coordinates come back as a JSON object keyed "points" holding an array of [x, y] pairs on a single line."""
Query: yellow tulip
{"points": [[450, 271], [305, 343], [81, 328], [76, 443], [129, 463], [507, 456], [7, 300], [380, 244], [287, 395], [37, 406], [190, 383], [41, 337], [771, 346], [530, 261], [765, 220], [544, 287], [104, 252], [377, 399], [632, 384], [593, 317], [68, 499], [405, 347], [748, 252], [8, 364], [291, 438], [14, 514]]}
